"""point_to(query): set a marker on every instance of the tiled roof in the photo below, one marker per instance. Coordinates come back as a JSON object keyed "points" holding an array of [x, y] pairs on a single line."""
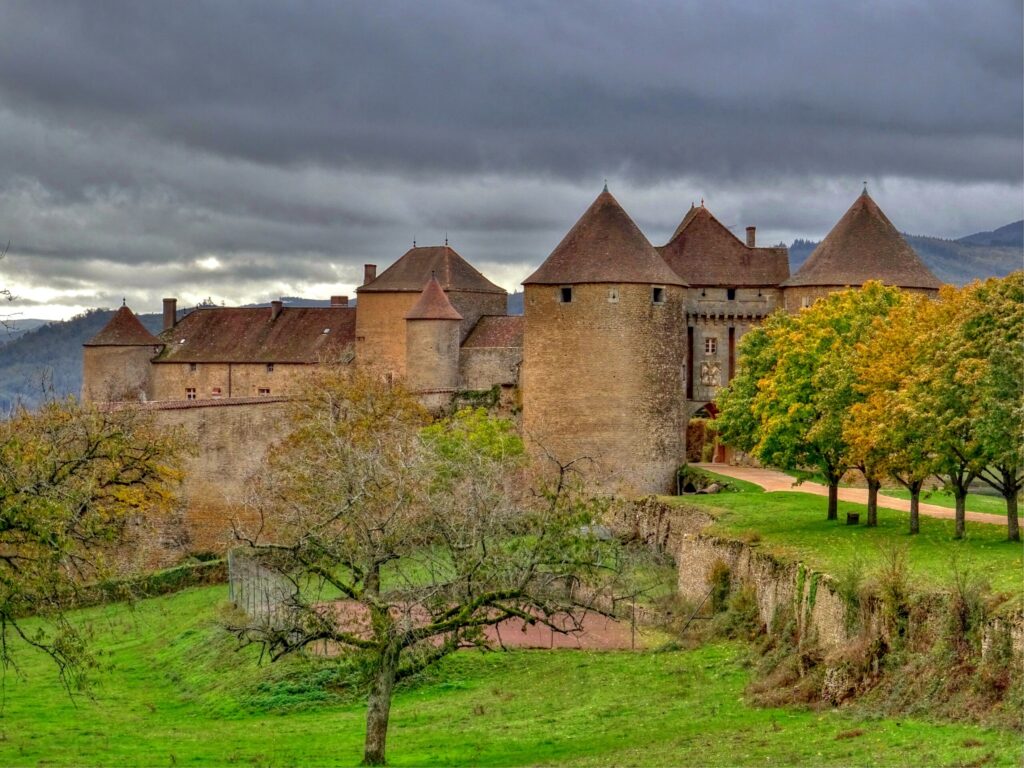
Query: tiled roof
{"points": [[123, 330], [417, 265], [496, 331], [704, 252], [604, 246], [864, 246], [433, 304], [248, 335]]}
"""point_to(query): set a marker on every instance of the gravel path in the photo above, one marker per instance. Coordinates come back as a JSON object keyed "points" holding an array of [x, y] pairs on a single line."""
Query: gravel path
{"points": [[773, 480]]}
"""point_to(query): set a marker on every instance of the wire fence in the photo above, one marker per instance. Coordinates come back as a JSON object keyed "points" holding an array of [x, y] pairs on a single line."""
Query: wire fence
{"points": [[252, 587]]}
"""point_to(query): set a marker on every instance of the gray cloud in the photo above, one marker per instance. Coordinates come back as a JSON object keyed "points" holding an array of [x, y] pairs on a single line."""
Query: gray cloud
{"points": [[294, 142]]}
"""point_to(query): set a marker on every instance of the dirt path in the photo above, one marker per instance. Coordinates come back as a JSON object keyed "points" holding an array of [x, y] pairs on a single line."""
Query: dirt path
{"points": [[773, 480]]}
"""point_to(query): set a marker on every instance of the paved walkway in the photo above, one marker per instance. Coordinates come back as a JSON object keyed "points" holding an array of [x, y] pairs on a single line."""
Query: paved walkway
{"points": [[773, 480]]}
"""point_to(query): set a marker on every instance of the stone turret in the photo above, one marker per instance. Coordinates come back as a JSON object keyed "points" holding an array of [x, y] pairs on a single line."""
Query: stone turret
{"points": [[116, 361], [603, 354], [432, 347], [864, 245], [386, 298]]}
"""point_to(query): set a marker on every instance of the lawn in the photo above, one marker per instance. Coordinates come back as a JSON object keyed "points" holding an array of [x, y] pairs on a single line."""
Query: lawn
{"points": [[172, 690], [793, 525]]}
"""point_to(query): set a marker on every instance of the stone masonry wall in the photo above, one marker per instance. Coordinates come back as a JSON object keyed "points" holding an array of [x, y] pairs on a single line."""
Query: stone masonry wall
{"points": [[171, 380], [483, 367], [602, 379], [116, 373]]}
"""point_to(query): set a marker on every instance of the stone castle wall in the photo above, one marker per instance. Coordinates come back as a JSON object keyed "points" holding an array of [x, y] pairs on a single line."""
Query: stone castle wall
{"points": [[602, 378], [798, 297], [116, 373], [170, 381], [483, 367]]}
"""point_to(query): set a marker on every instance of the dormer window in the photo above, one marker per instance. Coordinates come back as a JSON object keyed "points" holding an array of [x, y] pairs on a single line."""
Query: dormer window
{"points": [[565, 294], [657, 294]]}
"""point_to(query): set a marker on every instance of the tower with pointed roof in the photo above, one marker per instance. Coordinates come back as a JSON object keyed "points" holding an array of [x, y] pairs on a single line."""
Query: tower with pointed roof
{"points": [[603, 353], [864, 245], [734, 285], [116, 361], [385, 299], [432, 347]]}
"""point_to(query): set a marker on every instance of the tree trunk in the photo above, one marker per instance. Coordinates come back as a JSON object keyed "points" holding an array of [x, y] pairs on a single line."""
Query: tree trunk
{"points": [[915, 501], [873, 486], [833, 499], [961, 512], [1012, 523], [379, 707]]}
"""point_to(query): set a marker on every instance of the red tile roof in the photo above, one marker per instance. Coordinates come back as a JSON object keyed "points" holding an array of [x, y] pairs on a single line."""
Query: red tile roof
{"points": [[433, 304], [248, 335], [416, 266], [704, 252], [496, 331], [604, 246], [123, 330], [862, 246]]}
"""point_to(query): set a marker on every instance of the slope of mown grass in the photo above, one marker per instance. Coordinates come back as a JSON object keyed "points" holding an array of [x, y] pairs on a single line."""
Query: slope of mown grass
{"points": [[173, 690], [793, 525]]}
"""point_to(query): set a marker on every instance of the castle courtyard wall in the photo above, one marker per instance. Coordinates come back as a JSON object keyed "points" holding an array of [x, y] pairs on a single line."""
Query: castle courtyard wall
{"points": [[482, 367]]}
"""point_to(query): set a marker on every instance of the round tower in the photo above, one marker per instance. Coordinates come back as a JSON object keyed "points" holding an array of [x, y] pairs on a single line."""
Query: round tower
{"points": [[432, 334], [116, 361], [603, 354]]}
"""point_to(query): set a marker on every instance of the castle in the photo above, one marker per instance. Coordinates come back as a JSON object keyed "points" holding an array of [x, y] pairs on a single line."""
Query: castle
{"points": [[619, 344]]}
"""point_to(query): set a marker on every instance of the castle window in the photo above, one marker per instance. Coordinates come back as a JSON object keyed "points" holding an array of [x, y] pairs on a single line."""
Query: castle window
{"points": [[270, 367], [215, 392], [263, 391], [730, 294], [613, 294], [190, 393], [711, 345], [657, 295], [193, 367], [805, 302], [565, 294]]}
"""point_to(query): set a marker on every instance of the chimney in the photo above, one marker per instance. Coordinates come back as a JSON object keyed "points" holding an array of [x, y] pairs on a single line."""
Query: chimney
{"points": [[751, 239], [170, 313], [275, 309], [369, 273], [339, 301]]}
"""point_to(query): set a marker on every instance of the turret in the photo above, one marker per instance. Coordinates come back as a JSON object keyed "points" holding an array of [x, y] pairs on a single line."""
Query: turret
{"points": [[432, 347], [116, 361], [603, 354]]}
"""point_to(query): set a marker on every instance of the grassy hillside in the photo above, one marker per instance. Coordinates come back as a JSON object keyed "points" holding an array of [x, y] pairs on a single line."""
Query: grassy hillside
{"points": [[173, 690]]}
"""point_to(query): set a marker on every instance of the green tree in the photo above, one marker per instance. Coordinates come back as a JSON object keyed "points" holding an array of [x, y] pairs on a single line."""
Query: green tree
{"points": [[429, 533], [72, 477], [991, 361]]}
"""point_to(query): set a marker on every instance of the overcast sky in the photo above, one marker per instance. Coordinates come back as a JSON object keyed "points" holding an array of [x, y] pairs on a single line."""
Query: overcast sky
{"points": [[243, 151]]}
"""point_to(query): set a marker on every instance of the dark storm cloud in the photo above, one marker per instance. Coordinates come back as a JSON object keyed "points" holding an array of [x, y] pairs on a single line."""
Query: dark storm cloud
{"points": [[294, 141]]}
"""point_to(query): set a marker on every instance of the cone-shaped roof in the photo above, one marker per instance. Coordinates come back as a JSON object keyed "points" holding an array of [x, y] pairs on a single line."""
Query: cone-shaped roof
{"points": [[433, 304], [704, 252], [604, 246], [410, 272], [123, 330], [864, 246]]}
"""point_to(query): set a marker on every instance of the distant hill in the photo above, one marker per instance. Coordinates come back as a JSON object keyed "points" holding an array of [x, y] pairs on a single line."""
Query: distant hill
{"points": [[38, 357], [974, 257]]}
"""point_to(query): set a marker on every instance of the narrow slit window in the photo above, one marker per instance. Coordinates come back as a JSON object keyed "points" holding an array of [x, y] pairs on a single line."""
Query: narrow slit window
{"points": [[613, 294], [657, 295], [730, 294], [565, 294]]}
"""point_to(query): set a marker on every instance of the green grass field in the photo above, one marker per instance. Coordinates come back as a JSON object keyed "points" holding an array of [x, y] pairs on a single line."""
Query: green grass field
{"points": [[173, 690], [793, 525]]}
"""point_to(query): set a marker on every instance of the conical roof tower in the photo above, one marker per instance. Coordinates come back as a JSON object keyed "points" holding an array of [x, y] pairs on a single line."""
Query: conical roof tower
{"points": [[604, 246], [433, 304], [864, 245], [123, 330]]}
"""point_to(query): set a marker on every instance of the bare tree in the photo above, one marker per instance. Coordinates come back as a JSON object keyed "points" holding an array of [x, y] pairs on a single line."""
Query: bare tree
{"points": [[429, 533]]}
